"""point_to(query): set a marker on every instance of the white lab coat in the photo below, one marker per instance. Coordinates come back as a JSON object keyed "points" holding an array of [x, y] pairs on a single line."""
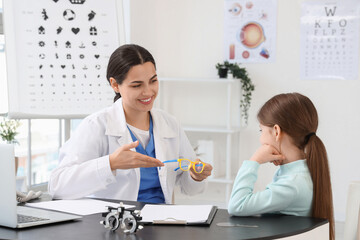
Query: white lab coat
{"points": [[84, 168]]}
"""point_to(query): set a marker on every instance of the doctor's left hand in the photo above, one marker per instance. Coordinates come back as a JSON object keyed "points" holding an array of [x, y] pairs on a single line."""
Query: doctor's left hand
{"points": [[203, 175]]}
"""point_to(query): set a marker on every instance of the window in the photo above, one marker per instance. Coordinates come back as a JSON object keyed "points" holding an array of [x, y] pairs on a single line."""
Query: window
{"points": [[44, 146], [45, 143], [47, 135]]}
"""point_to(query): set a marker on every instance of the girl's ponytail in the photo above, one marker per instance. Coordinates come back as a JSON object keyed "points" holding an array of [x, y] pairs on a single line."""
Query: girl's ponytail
{"points": [[317, 161]]}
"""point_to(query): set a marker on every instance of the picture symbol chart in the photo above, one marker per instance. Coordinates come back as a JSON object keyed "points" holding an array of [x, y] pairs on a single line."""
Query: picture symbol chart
{"points": [[62, 49]]}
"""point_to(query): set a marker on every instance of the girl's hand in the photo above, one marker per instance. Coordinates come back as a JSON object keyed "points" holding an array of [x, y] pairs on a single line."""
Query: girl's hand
{"points": [[277, 162], [124, 158], [204, 174], [267, 153]]}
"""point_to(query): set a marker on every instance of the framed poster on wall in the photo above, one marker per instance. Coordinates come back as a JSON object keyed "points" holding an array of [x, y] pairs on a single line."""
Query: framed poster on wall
{"points": [[250, 31], [57, 54]]}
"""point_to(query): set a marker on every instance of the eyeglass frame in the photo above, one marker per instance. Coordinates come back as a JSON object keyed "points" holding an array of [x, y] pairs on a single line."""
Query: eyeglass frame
{"points": [[192, 163]]}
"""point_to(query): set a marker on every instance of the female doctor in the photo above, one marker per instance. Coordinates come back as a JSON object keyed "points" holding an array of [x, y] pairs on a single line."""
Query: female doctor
{"points": [[100, 160]]}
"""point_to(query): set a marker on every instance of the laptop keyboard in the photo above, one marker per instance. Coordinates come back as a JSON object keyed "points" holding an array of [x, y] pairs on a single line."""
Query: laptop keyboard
{"points": [[27, 219]]}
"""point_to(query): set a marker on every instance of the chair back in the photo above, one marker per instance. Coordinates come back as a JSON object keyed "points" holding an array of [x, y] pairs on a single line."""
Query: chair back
{"points": [[352, 222], [358, 230]]}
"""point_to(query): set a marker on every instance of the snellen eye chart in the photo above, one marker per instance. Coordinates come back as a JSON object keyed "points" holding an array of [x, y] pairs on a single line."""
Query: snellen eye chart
{"points": [[329, 40], [57, 53]]}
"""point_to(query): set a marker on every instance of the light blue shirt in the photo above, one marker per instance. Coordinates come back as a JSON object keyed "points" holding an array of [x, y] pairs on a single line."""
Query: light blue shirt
{"points": [[290, 192]]}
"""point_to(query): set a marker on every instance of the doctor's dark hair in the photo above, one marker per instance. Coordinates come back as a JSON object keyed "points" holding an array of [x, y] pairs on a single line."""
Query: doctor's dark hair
{"points": [[296, 115], [123, 59]]}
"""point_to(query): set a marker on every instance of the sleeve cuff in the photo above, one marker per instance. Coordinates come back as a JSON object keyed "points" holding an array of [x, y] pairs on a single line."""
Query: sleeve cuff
{"points": [[253, 165], [198, 183], [194, 187], [104, 171]]}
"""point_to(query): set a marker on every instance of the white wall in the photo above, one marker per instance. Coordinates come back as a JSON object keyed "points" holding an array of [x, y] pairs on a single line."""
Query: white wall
{"points": [[186, 39], [3, 84]]}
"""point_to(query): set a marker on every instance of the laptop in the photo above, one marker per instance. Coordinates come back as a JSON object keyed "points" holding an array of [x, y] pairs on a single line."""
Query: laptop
{"points": [[14, 216]]}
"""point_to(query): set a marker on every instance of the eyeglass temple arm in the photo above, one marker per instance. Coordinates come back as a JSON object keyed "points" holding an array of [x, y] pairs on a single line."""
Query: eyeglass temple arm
{"points": [[174, 160], [167, 161]]}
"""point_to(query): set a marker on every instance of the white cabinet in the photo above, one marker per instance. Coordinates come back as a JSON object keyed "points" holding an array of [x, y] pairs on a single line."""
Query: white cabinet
{"points": [[217, 101]]}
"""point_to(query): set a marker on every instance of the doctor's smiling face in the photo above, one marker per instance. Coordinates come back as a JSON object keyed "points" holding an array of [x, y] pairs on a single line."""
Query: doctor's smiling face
{"points": [[139, 88]]}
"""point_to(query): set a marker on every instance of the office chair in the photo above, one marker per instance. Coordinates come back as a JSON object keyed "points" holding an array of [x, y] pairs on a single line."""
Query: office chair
{"points": [[352, 222], [358, 230]]}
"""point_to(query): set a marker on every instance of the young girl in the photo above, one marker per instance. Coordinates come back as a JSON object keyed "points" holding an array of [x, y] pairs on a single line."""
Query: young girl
{"points": [[301, 187]]}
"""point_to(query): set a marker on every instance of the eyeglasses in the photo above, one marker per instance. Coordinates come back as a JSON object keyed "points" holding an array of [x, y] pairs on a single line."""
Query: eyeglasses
{"points": [[185, 165]]}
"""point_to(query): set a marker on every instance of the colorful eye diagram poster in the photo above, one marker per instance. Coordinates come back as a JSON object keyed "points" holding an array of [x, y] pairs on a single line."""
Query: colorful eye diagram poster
{"points": [[250, 30], [329, 40], [57, 53]]}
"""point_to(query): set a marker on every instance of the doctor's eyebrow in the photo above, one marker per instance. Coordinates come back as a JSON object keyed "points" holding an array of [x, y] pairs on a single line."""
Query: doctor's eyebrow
{"points": [[137, 82], [155, 76]]}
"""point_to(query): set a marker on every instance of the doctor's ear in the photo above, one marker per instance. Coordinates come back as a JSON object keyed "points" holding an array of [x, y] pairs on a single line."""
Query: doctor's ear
{"points": [[114, 85], [277, 132]]}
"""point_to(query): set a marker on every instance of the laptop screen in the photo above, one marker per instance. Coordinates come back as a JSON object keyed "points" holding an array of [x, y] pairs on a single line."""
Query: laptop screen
{"points": [[8, 216]]}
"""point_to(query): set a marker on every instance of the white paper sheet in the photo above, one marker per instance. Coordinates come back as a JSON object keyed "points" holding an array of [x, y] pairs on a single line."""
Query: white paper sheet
{"points": [[79, 206], [188, 213]]}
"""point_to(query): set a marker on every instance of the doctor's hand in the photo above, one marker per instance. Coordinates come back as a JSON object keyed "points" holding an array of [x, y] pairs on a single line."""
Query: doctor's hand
{"points": [[204, 174], [267, 153], [124, 158]]}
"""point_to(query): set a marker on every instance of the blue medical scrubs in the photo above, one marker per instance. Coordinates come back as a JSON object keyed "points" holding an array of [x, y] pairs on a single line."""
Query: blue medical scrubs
{"points": [[150, 189]]}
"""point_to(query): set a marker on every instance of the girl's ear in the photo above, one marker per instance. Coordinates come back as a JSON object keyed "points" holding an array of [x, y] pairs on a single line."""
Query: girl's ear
{"points": [[277, 132], [114, 85]]}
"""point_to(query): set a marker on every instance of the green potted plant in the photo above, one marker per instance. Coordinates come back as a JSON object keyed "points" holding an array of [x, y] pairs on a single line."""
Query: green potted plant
{"points": [[246, 85], [222, 70]]}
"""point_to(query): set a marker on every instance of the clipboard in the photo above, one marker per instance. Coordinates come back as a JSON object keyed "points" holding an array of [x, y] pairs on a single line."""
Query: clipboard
{"points": [[178, 214]]}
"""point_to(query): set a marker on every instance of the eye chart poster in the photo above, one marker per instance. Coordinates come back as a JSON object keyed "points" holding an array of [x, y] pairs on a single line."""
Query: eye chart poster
{"points": [[329, 40], [57, 53], [250, 30]]}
